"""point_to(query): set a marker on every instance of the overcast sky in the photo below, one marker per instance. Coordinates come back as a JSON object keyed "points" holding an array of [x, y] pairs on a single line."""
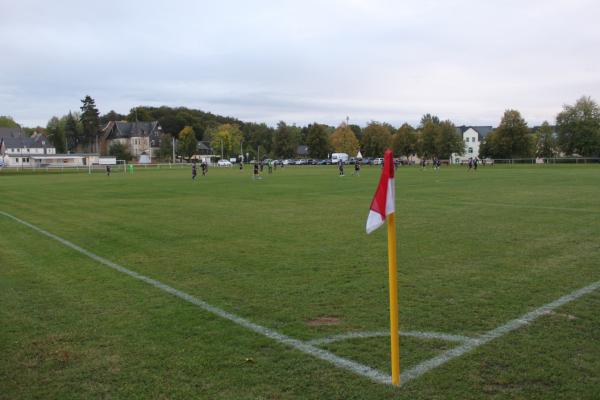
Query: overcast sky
{"points": [[301, 61]]}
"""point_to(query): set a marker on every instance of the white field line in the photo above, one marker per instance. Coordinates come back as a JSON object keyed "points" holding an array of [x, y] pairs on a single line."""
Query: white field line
{"points": [[364, 335], [307, 348], [502, 330], [304, 347]]}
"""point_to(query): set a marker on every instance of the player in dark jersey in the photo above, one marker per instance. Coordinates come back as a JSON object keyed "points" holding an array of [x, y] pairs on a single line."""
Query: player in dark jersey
{"points": [[341, 167], [357, 168], [194, 171]]}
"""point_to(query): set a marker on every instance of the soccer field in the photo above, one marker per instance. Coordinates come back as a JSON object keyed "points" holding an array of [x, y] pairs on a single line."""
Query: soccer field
{"points": [[150, 285]]}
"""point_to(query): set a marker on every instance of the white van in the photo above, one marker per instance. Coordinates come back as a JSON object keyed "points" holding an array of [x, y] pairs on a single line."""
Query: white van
{"points": [[336, 157]]}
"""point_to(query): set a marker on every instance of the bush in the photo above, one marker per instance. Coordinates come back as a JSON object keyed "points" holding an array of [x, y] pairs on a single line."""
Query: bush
{"points": [[121, 151]]}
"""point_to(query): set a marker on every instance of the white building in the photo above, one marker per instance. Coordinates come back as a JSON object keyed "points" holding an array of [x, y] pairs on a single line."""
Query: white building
{"points": [[19, 150], [472, 138]]}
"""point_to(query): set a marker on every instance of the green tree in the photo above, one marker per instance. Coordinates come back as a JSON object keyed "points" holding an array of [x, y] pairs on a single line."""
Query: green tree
{"points": [[6, 121], [428, 118], [230, 136], [512, 138], [285, 140], [428, 140], [141, 114], [165, 151], [448, 140], [358, 131], [343, 140], [73, 131], [56, 134], [317, 141], [90, 118], [404, 142], [545, 142], [578, 128], [120, 151], [376, 138], [112, 116], [256, 135], [187, 142]]}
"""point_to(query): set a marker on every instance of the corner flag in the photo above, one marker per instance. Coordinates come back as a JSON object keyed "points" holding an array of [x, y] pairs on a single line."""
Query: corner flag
{"points": [[383, 201], [382, 206]]}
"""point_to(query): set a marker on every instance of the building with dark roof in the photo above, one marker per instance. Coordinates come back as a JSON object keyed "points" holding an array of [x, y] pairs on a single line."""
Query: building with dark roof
{"points": [[141, 138], [17, 149]]}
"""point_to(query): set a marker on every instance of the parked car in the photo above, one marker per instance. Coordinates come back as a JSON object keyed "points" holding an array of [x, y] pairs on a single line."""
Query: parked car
{"points": [[367, 161], [378, 161], [224, 163]]}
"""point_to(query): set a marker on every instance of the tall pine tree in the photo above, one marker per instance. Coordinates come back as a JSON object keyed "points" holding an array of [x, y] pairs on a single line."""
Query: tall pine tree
{"points": [[90, 118]]}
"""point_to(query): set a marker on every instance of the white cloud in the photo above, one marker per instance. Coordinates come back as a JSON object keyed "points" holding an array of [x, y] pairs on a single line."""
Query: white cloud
{"points": [[301, 61]]}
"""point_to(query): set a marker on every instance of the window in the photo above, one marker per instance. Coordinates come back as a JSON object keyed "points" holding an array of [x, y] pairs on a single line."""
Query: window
{"points": [[17, 159], [474, 139], [470, 150]]}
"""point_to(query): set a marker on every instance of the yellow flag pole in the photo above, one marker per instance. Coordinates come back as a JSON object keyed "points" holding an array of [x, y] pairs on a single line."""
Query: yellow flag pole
{"points": [[393, 285]]}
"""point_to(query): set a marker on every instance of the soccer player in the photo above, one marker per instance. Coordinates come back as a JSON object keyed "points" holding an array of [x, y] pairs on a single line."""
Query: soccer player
{"points": [[204, 167], [341, 167], [357, 168], [194, 172], [270, 165], [470, 164], [108, 170], [475, 162], [255, 173]]}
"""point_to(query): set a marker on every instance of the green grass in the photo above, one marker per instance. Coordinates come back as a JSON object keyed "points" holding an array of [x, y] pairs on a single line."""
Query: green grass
{"points": [[475, 251]]}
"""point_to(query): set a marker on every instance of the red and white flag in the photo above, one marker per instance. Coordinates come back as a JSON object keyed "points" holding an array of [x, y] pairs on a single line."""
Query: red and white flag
{"points": [[384, 199]]}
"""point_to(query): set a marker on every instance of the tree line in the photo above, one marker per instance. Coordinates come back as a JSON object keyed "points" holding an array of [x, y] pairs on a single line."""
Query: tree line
{"points": [[576, 131]]}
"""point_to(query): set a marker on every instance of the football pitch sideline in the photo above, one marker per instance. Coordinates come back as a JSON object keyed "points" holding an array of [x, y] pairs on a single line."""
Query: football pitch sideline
{"points": [[498, 278]]}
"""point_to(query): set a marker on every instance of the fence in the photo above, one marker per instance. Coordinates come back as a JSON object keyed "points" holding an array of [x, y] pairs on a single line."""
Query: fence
{"points": [[549, 160], [95, 168]]}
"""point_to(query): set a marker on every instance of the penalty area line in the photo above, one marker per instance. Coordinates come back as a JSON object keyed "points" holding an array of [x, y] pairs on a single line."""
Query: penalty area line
{"points": [[340, 362]]}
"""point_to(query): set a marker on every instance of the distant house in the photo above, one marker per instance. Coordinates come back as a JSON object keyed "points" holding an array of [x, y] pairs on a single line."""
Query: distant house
{"points": [[202, 149], [141, 138], [472, 138], [19, 150]]}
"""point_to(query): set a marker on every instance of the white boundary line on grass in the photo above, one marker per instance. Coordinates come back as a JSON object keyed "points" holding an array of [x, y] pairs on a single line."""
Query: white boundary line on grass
{"points": [[502, 330], [307, 348], [363, 335], [340, 362]]}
